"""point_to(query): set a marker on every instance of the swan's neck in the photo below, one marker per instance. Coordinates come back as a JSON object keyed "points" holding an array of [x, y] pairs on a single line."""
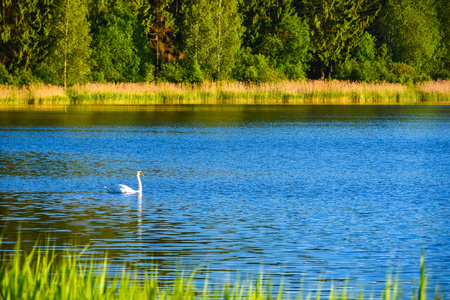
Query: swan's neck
{"points": [[140, 184]]}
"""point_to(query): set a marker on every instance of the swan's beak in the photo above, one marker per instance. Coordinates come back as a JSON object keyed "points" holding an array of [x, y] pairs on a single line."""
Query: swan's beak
{"points": [[142, 174]]}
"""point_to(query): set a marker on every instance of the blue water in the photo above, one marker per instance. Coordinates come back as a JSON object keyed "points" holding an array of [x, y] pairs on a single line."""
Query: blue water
{"points": [[307, 193]]}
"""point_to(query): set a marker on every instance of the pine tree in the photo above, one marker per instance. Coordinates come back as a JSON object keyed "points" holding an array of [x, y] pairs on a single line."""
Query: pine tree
{"points": [[24, 36], [337, 27], [262, 17], [160, 28]]}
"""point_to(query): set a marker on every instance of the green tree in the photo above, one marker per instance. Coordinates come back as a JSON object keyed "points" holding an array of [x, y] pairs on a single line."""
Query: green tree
{"points": [[213, 31], [274, 30], [199, 31], [254, 68], [411, 31], [24, 37], [160, 28], [261, 17], [228, 33], [71, 53], [288, 46], [368, 63], [337, 28], [443, 9], [117, 44]]}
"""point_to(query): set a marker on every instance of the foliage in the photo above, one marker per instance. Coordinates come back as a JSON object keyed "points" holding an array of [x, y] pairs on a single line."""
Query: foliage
{"points": [[213, 35], [187, 71], [192, 71], [260, 17], [115, 50], [443, 52], [371, 64], [71, 51], [171, 72], [368, 63], [288, 46], [254, 68], [412, 32], [280, 36], [199, 33], [159, 25], [66, 42], [24, 33], [148, 72], [5, 77], [337, 28]]}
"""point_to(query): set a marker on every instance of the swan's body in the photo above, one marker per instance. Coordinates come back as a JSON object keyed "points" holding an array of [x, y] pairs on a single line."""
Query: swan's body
{"points": [[124, 189]]}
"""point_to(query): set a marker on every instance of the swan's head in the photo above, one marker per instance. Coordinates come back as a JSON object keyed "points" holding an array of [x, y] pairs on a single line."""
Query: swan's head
{"points": [[139, 173]]}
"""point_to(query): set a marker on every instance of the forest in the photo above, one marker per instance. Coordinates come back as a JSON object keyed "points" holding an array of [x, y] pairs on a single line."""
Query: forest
{"points": [[67, 42]]}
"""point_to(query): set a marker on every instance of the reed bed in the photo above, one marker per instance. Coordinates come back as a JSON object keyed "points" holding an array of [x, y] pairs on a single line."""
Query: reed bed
{"points": [[223, 92], [45, 274], [435, 89], [33, 94]]}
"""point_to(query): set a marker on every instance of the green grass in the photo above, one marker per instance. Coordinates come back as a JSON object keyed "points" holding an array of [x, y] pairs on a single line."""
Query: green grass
{"points": [[45, 274]]}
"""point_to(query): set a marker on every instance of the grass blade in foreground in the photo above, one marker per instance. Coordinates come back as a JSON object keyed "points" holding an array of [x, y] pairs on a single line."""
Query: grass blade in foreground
{"points": [[48, 275]]}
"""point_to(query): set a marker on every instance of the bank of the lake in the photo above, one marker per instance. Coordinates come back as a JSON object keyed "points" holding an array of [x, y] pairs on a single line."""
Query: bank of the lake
{"points": [[287, 92]]}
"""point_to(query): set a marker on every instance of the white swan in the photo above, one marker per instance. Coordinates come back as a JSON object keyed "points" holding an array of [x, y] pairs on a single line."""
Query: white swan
{"points": [[121, 188]]}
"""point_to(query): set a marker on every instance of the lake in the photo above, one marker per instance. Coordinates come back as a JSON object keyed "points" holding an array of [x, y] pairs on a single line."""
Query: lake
{"points": [[307, 194]]}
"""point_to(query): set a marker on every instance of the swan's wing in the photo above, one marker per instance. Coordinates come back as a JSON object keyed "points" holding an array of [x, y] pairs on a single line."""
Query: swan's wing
{"points": [[126, 189], [120, 188]]}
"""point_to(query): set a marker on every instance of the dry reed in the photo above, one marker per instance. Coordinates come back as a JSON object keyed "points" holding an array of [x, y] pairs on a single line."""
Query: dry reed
{"points": [[33, 94], [287, 92], [437, 90]]}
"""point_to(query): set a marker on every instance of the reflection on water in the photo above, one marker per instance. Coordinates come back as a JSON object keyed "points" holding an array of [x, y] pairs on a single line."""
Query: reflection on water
{"points": [[308, 191]]}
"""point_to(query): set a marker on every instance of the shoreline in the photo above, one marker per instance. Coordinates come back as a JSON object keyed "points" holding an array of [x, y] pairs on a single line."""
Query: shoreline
{"points": [[311, 92]]}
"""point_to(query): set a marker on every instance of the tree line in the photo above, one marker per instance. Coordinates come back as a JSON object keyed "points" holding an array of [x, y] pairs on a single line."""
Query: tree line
{"points": [[64, 42]]}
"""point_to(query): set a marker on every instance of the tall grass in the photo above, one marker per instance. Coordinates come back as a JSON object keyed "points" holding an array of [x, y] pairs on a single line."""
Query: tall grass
{"points": [[438, 90], [45, 274], [286, 92], [33, 94]]}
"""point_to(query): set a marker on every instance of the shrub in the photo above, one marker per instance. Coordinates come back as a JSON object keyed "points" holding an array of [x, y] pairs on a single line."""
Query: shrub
{"points": [[171, 72], [148, 72], [369, 64], [23, 77], [46, 74], [294, 71], [254, 68], [366, 71], [186, 70], [5, 77], [403, 73], [192, 71]]}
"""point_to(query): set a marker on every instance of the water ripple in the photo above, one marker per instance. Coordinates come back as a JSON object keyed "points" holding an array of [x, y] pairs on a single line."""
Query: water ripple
{"points": [[309, 192]]}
